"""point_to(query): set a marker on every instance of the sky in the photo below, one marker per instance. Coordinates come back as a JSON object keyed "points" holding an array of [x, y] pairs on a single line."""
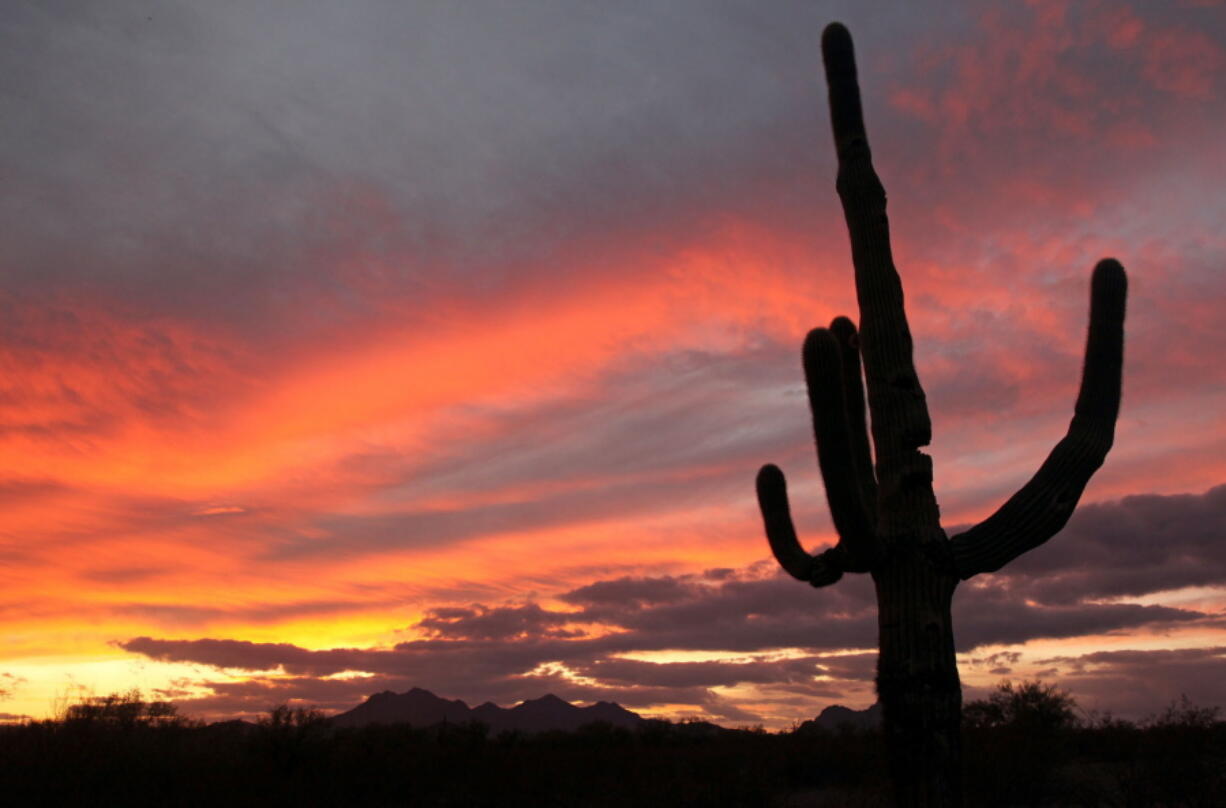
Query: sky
{"points": [[376, 345]]}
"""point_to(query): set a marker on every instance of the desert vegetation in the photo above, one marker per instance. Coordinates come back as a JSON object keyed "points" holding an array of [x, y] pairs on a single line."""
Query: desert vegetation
{"points": [[1028, 744], [881, 497]]}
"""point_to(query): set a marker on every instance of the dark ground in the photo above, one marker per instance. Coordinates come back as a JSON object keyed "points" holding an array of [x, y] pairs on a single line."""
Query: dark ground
{"points": [[296, 758]]}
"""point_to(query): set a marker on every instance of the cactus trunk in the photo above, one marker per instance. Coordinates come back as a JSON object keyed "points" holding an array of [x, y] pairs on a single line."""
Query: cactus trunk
{"points": [[917, 681]]}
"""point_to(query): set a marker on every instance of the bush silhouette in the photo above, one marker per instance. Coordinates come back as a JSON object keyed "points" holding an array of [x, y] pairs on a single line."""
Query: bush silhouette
{"points": [[121, 710], [293, 758], [1032, 707], [1017, 740]]}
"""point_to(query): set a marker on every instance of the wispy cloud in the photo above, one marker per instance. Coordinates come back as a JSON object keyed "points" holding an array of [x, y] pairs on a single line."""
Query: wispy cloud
{"points": [[759, 633], [462, 320]]}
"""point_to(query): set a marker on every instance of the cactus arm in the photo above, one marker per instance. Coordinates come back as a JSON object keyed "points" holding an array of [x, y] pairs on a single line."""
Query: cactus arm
{"points": [[1042, 506], [832, 433], [853, 403], [823, 570], [777, 518], [900, 422]]}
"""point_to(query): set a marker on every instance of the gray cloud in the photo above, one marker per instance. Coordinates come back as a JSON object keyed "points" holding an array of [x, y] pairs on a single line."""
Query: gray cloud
{"points": [[500, 623], [631, 592], [215, 163], [201, 150], [1139, 683], [629, 672], [218, 164], [482, 651], [991, 615], [683, 428], [338, 536], [1139, 545]]}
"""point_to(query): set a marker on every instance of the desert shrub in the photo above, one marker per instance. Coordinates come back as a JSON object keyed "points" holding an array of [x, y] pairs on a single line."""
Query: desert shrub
{"points": [[121, 710], [113, 751], [1180, 758], [1030, 707], [1016, 741]]}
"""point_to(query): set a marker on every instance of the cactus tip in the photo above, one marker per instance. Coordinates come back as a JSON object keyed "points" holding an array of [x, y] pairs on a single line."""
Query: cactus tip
{"points": [[837, 49]]}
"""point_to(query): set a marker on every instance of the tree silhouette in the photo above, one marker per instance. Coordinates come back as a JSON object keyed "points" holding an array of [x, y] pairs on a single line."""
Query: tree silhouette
{"points": [[886, 515]]}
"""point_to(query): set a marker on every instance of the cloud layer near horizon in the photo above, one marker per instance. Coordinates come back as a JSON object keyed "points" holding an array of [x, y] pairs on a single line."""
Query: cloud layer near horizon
{"points": [[315, 331], [758, 636]]}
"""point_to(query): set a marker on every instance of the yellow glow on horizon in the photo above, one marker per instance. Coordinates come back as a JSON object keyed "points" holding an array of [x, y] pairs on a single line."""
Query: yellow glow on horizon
{"points": [[45, 685], [199, 521]]}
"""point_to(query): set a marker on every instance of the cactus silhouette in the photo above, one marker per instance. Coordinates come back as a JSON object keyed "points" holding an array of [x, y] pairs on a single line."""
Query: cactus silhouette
{"points": [[885, 513]]}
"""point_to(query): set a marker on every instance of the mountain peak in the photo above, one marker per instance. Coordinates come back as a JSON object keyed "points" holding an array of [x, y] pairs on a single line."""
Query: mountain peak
{"points": [[417, 707], [546, 705], [421, 708], [836, 715]]}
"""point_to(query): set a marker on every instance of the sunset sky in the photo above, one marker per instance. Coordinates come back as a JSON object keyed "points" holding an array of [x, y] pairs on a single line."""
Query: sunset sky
{"points": [[359, 346]]}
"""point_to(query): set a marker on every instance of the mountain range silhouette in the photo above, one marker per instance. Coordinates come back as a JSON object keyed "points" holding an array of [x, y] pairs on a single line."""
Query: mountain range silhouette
{"points": [[421, 708], [836, 716]]}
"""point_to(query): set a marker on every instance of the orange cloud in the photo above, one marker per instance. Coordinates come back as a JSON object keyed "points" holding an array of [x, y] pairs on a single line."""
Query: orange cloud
{"points": [[596, 407]]}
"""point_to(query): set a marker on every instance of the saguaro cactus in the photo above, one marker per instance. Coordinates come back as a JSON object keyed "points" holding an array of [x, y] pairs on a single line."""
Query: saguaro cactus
{"points": [[886, 514]]}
